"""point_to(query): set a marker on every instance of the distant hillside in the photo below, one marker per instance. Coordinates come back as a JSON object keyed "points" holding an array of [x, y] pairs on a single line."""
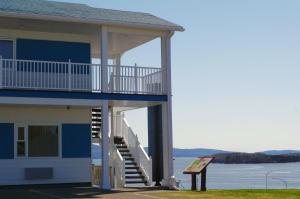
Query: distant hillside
{"points": [[253, 158], [280, 152], [196, 152]]}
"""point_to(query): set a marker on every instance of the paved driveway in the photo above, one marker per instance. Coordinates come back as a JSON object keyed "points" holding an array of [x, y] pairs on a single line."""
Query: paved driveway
{"points": [[70, 192]]}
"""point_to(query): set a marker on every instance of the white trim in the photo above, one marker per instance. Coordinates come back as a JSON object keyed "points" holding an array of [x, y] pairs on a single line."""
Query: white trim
{"points": [[104, 58], [105, 146], [90, 21], [49, 101]]}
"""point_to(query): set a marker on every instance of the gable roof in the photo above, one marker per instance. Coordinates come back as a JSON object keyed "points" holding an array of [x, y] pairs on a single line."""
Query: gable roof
{"points": [[61, 11]]}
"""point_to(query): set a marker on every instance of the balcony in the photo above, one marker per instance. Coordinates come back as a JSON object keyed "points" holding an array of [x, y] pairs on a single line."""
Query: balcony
{"points": [[80, 77]]}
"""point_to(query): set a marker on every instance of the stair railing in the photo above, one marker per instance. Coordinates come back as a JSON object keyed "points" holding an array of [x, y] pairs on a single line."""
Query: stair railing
{"points": [[118, 168], [138, 153]]}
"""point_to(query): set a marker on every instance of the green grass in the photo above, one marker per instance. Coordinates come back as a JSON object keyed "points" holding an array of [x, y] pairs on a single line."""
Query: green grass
{"points": [[229, 194]]}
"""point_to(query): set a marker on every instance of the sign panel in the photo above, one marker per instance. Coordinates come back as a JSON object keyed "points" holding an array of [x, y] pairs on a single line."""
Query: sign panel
{"points": [[198, 165]]}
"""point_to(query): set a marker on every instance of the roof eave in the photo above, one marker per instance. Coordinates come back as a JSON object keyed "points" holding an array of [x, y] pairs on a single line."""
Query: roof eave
{"points": [[89, 21]]}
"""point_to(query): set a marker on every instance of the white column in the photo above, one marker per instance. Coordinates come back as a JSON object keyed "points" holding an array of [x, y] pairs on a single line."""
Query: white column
{"points": [[167, 113], [104, 59], [117, 71], [105, 112]]}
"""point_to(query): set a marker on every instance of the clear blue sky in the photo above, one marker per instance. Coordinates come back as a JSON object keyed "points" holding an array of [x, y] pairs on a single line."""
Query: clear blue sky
{"points": [[236, 71]]}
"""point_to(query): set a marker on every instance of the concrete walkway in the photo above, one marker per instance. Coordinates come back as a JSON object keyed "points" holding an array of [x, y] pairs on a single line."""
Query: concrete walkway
{"points": [[72, 192]]}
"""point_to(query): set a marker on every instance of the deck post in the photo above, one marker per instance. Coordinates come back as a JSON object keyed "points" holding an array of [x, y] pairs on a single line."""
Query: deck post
{"points": [[136, 79], [1, 71], [203, 180], [104, 59], [168, 175], [105, 110], [70, 75], [117, 71], [194, 182]]}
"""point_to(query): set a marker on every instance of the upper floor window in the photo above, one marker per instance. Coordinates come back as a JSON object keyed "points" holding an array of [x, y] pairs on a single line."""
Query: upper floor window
{"points": [[6, 49]]}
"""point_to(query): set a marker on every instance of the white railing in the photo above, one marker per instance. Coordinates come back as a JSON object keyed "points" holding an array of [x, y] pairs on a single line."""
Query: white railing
{"points": [[134, 79], [134, 146], [117, 164], [68, 76]]}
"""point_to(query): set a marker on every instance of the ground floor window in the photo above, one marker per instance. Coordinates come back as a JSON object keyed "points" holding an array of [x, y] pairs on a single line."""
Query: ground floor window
{"points": [[21, 142], [38, 141], [42, 141]]}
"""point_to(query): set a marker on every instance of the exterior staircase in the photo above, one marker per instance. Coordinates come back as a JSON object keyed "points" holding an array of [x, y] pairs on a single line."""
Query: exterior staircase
{"points": [[96, 124], [133, 173], [131, 164]]}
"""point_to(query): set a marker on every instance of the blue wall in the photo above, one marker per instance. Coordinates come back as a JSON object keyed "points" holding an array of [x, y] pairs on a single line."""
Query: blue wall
{"points": [[60, 51], [6, 141], [76, 140]]}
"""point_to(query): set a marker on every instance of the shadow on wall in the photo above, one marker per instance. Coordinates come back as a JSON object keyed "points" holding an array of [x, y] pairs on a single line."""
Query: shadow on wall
{"points": [[96, 151]]}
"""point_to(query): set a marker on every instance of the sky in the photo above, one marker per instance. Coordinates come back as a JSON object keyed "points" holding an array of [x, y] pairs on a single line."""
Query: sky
{"points": [[235, 70]]}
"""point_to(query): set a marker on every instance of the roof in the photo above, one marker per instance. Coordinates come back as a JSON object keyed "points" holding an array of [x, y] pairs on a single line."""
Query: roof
{"points": [[61, 11]]}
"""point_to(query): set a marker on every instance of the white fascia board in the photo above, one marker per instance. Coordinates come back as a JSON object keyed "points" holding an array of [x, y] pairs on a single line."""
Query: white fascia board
{"points": [[49, 101], [90, 21]]}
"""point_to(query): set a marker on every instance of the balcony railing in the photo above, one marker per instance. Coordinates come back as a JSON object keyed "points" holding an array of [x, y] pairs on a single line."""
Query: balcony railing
{"points": [[68, 76]]}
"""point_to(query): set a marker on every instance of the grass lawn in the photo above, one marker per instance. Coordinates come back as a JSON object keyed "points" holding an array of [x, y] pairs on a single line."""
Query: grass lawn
{"points": [[229, 194]]}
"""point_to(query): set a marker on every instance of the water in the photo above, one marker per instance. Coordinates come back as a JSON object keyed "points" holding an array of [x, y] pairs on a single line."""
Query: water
{"points": [[241, 176]]}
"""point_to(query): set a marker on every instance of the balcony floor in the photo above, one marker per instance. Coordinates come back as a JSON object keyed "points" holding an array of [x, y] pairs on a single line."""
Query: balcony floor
{"points": [[32, 97]]}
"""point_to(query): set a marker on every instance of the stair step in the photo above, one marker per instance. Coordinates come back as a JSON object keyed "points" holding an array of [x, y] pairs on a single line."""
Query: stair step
{"points": [[122, 146], [136, 182], [134, 167], [130, 163], [124, 150], [134, 177], [133, 172], [96, 119], [119, 142], [129, 159], [126, 155]]}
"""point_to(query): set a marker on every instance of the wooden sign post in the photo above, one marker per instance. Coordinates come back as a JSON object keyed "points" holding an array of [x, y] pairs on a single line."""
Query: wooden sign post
{"points": [[198, 166]]}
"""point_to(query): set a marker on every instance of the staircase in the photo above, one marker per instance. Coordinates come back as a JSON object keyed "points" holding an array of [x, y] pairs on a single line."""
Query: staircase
{"points": [[96, 124], [131, 164], [133, 173]]}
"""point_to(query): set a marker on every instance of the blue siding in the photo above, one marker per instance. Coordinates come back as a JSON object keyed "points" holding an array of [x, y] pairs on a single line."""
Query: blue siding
{"points": [[6, 141], [59, 51], [76, 140]]}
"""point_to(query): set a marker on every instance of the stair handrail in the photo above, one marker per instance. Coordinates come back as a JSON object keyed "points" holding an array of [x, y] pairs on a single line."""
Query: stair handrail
{"points": [[145, 163], [118, 168]]}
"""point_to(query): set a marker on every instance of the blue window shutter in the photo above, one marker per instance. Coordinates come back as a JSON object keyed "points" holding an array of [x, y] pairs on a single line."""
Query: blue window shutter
{"points": [[6, 141], [59, 51], [6, 49], [76, 140]]}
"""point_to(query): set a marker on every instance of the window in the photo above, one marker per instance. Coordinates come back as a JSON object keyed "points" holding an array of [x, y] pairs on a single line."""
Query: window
{"points": [[6, 49], [21, 142], [42, 141], [37, 141]]}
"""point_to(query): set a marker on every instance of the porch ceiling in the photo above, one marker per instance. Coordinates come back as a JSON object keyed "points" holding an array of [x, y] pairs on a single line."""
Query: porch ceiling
{"points": [[119, 42]]}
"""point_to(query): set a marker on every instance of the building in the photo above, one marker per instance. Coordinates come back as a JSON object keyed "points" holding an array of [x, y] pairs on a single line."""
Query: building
{"points": [[54, 97]]}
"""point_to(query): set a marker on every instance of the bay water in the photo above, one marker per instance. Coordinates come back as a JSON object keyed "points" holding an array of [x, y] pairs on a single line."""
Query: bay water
{"points": [[241, 176]]}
